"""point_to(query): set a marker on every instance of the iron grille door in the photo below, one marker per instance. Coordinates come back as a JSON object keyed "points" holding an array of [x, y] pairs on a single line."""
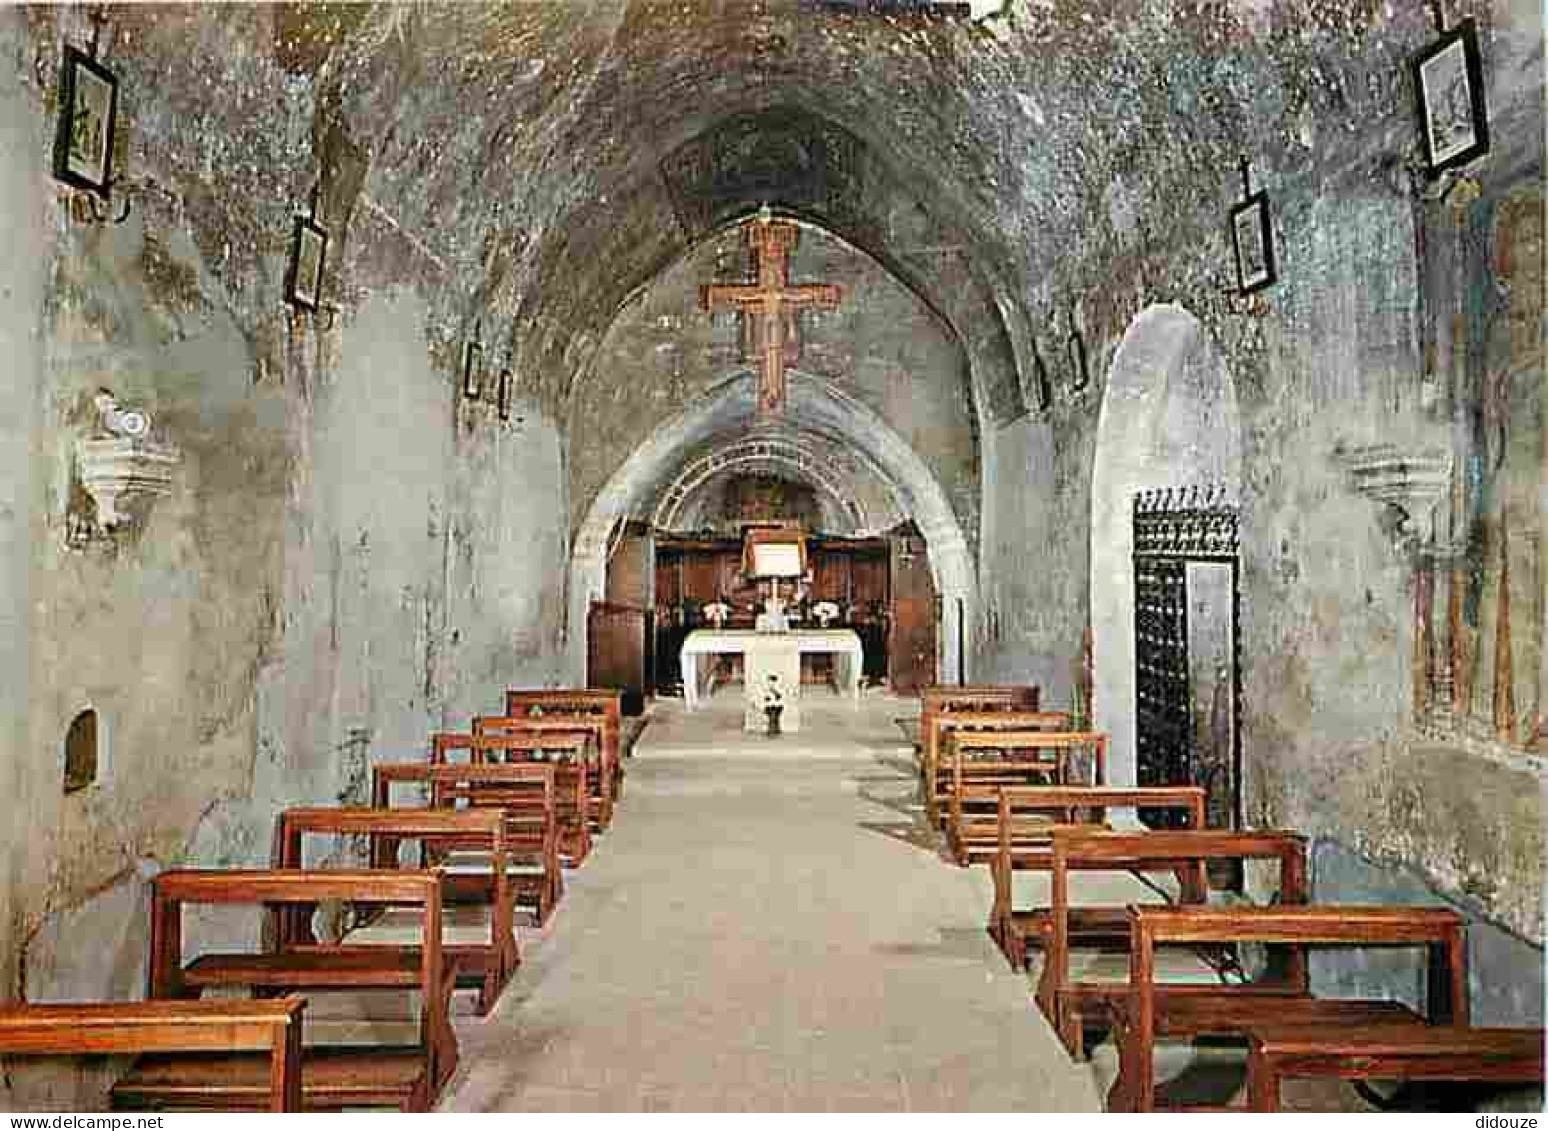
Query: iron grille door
{"points": [[1164, 718], [1172, 528]]}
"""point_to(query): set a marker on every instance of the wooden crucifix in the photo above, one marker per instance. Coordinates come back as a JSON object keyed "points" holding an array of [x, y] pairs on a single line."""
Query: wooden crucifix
{"points": [[769, 300]]}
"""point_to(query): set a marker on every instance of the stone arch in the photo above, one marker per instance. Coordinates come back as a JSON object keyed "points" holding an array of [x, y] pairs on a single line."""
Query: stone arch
{"points": [[812, 404], [788, 454], [1169, 418], [838, 512]]}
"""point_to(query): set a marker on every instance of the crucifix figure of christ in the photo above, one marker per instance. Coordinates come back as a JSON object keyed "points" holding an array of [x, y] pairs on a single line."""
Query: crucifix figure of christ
{"points": [[769, 300]]}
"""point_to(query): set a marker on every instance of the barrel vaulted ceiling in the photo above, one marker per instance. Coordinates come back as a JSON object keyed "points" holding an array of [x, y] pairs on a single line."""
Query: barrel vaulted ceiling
{"points": [[530, 165], [561, 154]]}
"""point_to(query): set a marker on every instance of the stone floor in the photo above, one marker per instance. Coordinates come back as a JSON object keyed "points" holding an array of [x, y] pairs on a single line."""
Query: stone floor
{"points": [[768, 927], [761, 930]]}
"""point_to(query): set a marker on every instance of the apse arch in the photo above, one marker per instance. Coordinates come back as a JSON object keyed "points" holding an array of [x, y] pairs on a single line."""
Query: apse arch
{"points": [[707, 507], [1169, 418], [823, 467], [730, 407]]}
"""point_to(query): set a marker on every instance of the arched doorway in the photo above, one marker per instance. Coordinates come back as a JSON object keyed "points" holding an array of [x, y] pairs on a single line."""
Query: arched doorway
{"points": [[1169, 420]]}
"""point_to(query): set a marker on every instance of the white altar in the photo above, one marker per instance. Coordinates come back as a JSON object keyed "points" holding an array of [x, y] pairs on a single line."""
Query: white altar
{"points": [[771, 653]]}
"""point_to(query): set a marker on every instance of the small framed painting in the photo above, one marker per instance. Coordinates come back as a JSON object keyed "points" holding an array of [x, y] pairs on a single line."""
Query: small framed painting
{"points": [[1042, 386], [1252, 238], [88, 115], [473, 370], [308, 254], [1076, 347], [1454, 120], [507, 379]]}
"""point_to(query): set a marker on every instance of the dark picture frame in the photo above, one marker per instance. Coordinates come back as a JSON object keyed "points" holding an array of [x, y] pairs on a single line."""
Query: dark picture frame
{"points": [[1252, 243], [1042, 386], [1449, 82], [472, 370], [88, 122], [1075, 346], [507, 379], [308, 256]]}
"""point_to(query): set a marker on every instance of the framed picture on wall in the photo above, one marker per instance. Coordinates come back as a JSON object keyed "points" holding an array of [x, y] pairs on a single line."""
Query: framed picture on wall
{"points": [[1042, 387], [1076, 347], [1453, 118], [308, 254], [88, 114], [473, 370], [507, 379], [1252, 240]]}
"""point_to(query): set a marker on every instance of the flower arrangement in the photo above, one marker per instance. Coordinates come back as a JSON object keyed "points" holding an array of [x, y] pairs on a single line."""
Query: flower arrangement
{"points": [[826, 612], [716, 612]]}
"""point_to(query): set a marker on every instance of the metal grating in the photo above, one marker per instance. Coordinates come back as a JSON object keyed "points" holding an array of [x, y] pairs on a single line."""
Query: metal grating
{"points": [[1172, 527]]}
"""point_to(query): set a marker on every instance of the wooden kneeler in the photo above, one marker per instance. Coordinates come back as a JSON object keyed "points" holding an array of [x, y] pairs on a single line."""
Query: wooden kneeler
{"points": [[1150, 1011], [524, 795], [1027, 820], [935, 772], [247, 1037], [1072, 1005], [602, 767], [1388, 1051], [486, 964], [941, 699], [407, 1078], [571, 752]]}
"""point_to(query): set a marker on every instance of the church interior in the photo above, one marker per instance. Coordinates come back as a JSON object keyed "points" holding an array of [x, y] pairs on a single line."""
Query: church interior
{"points": [[774, 555]]}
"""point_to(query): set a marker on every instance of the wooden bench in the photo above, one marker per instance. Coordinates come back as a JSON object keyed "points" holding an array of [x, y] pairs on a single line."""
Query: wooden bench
{"points": [[599, 771], [1394, 1051], [935, 772], [1025, 824], [524, 793], [1149, 1011], [983, 762], [1071, 1004], [267, 1034], [485, 954], [572, 752], [408, 1078], [978, 697], [603, 701], [603, 768], [971, 699]]}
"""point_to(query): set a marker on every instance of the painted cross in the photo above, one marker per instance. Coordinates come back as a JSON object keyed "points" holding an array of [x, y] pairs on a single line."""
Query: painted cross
{"points": [[770, 299]]}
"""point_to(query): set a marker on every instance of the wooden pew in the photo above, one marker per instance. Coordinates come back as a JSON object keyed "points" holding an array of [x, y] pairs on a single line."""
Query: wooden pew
{"points": [[934, 772], [524, 793], [1388, 1051], [572, 753], [976, 697], [1150, 1011], [408, 1078], [1072, 1005], [266, 1034], [552, 714], [607, 702], [603, 765], [484, 957], [601, 772], [972, 698], [1016, 758], [1024, 826]]}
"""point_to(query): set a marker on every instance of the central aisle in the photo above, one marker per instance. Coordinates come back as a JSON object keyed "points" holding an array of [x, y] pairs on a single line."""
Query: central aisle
{"points": [[761, 929]]}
